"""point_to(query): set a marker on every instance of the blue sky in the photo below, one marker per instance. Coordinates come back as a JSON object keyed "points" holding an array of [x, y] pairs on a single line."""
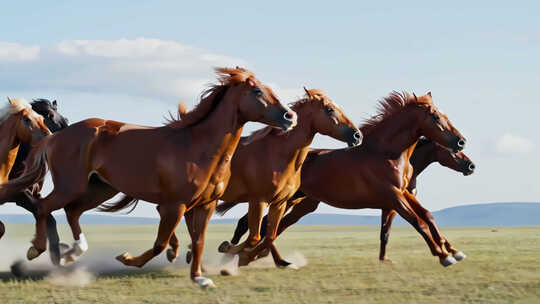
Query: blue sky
{"points": [[133, 60]]}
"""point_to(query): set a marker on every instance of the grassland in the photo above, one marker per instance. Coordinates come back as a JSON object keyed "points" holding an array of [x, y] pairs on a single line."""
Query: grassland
{"points": [[502, 267]]}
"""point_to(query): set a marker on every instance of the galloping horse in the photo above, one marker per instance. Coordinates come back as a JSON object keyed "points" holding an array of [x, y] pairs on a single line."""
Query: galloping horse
{"points": [[184, 166], [55, 122], [377, 173], [425, 153], [266, 166], [18, 124]]}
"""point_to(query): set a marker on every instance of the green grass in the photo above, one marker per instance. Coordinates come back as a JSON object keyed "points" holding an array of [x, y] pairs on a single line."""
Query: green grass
{"points": [[502, 267]]}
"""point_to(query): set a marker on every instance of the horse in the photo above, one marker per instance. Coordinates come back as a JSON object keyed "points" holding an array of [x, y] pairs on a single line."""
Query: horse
{"points": [[18, 124], [183, 166], [265, 169], [25, 199], [377, 173], [425, 153]]}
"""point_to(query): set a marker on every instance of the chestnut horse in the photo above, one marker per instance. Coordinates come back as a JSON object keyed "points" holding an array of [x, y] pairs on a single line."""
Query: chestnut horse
{"points": [[425, 153], [377, 173], [18, 124], [184, 166], [25, 199], [266, 166]]}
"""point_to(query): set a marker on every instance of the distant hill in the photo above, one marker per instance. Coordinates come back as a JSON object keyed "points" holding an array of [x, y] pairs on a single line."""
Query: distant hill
{"points": [[495, 214]]}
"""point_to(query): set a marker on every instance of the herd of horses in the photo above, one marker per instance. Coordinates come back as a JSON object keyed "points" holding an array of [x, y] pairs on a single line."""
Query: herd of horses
{"points": [[199, 158]]}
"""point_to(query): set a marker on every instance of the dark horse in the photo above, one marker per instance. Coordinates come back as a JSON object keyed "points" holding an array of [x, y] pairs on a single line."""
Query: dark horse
{"points": [[377, 173], [425, 153], [183, 167], [26, 198]]}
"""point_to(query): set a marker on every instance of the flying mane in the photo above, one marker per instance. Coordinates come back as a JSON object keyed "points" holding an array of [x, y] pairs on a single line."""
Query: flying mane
{"points": [[388, 106], [13, 106], [210, 97]]}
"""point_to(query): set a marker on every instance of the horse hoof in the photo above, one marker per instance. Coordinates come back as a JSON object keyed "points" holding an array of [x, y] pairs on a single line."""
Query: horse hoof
{"points": [[32, 253], [171, 255], [123, 258], [448, 261], [204, 282], [67, 260], [63, 248], [292, 266], [386, 261], [460, 256], [224, 247], [189, 255]]}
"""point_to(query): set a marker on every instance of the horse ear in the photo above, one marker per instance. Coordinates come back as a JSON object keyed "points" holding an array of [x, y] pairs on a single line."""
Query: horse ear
{"points": [[429, 93], [308, 93], [182, 109], [10, 101], [54, 103]]}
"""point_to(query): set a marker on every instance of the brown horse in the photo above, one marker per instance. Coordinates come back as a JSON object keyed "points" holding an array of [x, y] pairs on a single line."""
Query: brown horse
{"points": [[377, 173], [18, 124], [425, 153], [184, 166], [266, 166], [25, 199]]}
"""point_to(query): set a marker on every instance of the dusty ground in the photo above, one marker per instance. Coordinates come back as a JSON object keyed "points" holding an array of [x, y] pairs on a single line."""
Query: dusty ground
{"points": [[342, 267]]}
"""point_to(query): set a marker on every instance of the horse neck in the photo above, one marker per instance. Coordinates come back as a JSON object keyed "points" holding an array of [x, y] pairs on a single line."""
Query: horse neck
{"points": [[301, 136], [394, 135], [221, 129], [9, 146], [421, 158]]}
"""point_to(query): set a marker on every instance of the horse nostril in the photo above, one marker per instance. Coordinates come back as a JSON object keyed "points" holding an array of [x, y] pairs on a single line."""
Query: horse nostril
{"points": [[357, 135], [289, 116], [461, 143], [472, 167]]}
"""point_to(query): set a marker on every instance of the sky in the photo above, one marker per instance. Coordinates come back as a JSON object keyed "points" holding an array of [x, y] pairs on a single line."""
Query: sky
{"points": [[134, 60]]}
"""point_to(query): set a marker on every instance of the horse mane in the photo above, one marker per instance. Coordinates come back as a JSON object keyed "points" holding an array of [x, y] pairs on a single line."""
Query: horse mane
{"points": [[13, 106], [387, 107], [210, 97], [309, 96]]}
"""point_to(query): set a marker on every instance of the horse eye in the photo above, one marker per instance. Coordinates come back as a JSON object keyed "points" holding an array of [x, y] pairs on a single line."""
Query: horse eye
{"points": [[258, 92], [329, 110], [436, 117], [26, 120]]}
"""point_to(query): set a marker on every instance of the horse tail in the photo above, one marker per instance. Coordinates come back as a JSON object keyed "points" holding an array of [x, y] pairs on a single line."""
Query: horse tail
{"points": [[224, 207], [34, 171], [123, 203]]}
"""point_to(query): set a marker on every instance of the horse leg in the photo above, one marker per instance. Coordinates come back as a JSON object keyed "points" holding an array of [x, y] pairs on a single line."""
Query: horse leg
{"points": [[172, 253], [387, 218], [197, 221], [27, 201], [435, 232], [97, 192], [2, 229], [403, 208], [242, 226], [274, 217], [54, 201], [255, 215], [305, 206], [170, 217]]}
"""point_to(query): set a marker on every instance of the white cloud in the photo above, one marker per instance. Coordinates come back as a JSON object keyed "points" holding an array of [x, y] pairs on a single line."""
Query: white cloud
{"points": [[14, 52], [513, 144], [141, 67]]}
